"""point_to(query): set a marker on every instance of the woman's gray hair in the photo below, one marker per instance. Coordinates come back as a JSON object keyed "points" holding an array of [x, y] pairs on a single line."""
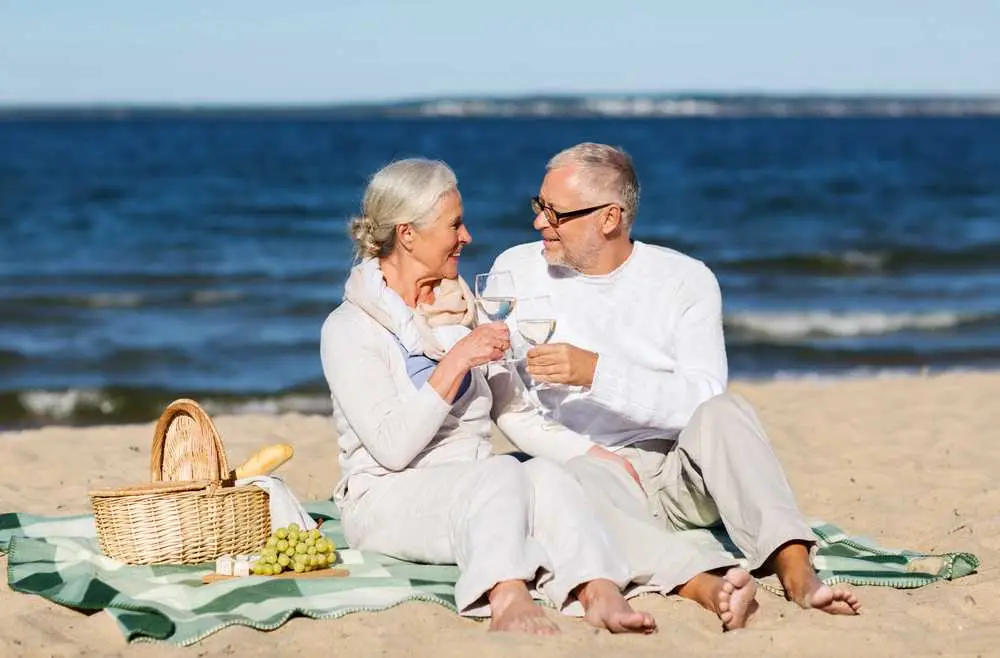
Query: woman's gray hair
{"points": [[403, 192], [604, 172]]}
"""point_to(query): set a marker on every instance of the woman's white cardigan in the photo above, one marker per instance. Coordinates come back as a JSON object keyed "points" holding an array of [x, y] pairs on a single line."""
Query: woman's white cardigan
{"points": [[385, 424]]}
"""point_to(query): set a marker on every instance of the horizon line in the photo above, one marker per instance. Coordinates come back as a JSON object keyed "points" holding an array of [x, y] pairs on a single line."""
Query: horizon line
{"points": [[905, 96]]}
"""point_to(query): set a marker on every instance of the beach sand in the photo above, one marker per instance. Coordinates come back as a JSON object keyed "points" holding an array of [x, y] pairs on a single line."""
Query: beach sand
{"points": [[910, 461]]}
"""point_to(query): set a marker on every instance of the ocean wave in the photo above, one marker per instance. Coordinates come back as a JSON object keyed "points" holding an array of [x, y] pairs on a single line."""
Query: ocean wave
{"points": [[851, 262], [110, 300], [209, 297], [88, 406], [113, 300], [62, 405], [196, 277], [10, 358], [234, 212], [795, 325], [854, 262]]}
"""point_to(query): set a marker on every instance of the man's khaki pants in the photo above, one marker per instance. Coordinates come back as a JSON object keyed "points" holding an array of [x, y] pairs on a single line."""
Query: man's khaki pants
{"points": [[720, 469]]}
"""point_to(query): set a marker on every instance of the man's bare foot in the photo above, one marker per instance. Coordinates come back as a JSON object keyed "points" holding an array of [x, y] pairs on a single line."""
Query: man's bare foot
{"points": [[731, 596], [512, 609], [803, 586], [606, 608]]}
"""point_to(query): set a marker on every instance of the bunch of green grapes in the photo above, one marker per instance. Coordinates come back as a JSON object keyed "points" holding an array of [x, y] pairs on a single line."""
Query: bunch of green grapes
{"points": [[293, 549]]}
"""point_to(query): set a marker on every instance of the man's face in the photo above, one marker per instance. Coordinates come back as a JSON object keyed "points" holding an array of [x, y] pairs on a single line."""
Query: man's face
{"points": [[575, 243]]}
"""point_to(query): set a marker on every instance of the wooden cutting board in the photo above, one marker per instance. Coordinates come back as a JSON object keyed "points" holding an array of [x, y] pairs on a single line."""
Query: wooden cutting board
{"points": [[319, 573]]}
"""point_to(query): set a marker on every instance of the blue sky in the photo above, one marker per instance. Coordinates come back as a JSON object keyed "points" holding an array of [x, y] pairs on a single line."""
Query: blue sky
{"points": [[229, 51]]}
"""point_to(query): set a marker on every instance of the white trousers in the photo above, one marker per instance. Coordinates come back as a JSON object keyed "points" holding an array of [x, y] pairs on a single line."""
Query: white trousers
{"points": [[721, 469], [497, 519]]}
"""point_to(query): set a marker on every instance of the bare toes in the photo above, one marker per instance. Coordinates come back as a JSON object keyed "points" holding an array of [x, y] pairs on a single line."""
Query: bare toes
{"points": [[849, 598], [835, 601], [737, 601]]}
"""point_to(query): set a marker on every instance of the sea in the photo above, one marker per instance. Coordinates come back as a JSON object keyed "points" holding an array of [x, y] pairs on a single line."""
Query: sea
{"points": [[148, 258]]}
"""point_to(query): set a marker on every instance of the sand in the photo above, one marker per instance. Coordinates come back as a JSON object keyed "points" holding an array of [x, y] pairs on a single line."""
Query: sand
{"points": [[912, 462]]}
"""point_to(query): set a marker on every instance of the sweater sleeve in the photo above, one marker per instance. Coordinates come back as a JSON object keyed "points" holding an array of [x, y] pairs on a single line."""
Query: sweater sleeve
{"points": [[524, 424], [392, 426], [666, 399]]}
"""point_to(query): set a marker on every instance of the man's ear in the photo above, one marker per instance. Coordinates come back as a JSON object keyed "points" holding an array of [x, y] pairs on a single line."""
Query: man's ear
{"points": [[612, 222]]}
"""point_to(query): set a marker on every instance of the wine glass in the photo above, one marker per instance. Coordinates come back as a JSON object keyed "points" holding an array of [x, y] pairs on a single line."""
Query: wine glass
{"points": [[496, 299], [536, 322], [536, 319]]}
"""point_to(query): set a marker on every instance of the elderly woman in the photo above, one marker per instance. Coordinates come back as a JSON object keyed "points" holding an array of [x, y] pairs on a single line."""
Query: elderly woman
{"points": [[413, 413]]}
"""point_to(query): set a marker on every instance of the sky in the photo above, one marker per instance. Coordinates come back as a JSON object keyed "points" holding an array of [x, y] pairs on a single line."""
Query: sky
{"points": [[306, 51]]}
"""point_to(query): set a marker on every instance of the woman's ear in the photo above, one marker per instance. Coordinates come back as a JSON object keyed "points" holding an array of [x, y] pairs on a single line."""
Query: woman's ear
{"points": [[404, 236]]}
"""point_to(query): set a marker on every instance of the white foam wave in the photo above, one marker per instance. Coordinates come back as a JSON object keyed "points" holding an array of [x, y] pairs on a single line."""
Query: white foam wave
{"points": [[61, 405], [801, 324]]}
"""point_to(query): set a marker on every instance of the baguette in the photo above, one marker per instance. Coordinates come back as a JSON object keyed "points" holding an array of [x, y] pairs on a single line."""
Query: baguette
{"points": [[265, 460]]}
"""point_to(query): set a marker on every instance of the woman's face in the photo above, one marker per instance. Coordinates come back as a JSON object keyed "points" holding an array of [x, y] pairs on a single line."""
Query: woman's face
{"points": [[438, 244]]}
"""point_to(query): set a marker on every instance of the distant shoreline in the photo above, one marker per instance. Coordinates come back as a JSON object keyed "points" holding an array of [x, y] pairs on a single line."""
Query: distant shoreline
{"points": [[542, 106]]}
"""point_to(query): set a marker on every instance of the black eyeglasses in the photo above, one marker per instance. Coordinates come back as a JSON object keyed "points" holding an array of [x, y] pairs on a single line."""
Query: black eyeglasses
{"points": [[555, 218]]}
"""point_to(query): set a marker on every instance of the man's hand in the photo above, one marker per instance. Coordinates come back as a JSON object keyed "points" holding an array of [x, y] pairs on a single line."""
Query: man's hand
{"points": [[604, 453], [562, 363]]}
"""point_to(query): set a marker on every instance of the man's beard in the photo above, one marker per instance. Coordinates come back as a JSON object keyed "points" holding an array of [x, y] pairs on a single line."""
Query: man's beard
{"points": [[554, 259], [582, 259]]}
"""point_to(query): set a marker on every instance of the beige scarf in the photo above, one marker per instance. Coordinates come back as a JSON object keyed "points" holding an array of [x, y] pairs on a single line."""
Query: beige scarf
{"points": [[453, 304], [430, 329]]}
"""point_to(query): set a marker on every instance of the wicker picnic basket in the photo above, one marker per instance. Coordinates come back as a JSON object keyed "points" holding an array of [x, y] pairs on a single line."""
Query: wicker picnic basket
{"points": [[191, 512]]}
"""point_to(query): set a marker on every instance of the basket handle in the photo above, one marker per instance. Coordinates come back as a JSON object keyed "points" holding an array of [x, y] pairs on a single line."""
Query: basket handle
{"points": [[218, 468]]}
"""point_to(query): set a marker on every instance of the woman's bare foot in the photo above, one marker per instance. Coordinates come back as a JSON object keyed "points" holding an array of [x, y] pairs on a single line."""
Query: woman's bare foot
{"points": [[737, 599], [606, 608], [803, 586], [731, 596], [512, 609]]}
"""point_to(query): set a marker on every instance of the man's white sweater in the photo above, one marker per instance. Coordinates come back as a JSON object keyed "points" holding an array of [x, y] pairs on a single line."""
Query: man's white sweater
{"points": [[656, 324]]}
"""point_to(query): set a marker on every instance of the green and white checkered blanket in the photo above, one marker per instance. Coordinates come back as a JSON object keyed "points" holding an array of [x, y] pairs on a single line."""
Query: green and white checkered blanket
{"points": [[58, 558]]}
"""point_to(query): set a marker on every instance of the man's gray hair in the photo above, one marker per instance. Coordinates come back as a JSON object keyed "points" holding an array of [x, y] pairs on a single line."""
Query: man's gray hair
{"points": [[403, 192], [605, 172]]}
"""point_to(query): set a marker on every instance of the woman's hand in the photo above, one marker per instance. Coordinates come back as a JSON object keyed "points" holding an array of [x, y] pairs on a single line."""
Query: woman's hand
{"points": [[485, 343]]}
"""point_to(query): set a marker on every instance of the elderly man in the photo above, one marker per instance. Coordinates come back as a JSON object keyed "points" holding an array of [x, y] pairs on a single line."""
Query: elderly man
{"points": [[637, 367]]}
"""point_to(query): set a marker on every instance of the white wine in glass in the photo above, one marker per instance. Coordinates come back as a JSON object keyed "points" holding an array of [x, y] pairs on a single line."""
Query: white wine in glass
{"points": [[497, 309], [536, 319], [536, 322], [536, 332], [496, 299]]}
